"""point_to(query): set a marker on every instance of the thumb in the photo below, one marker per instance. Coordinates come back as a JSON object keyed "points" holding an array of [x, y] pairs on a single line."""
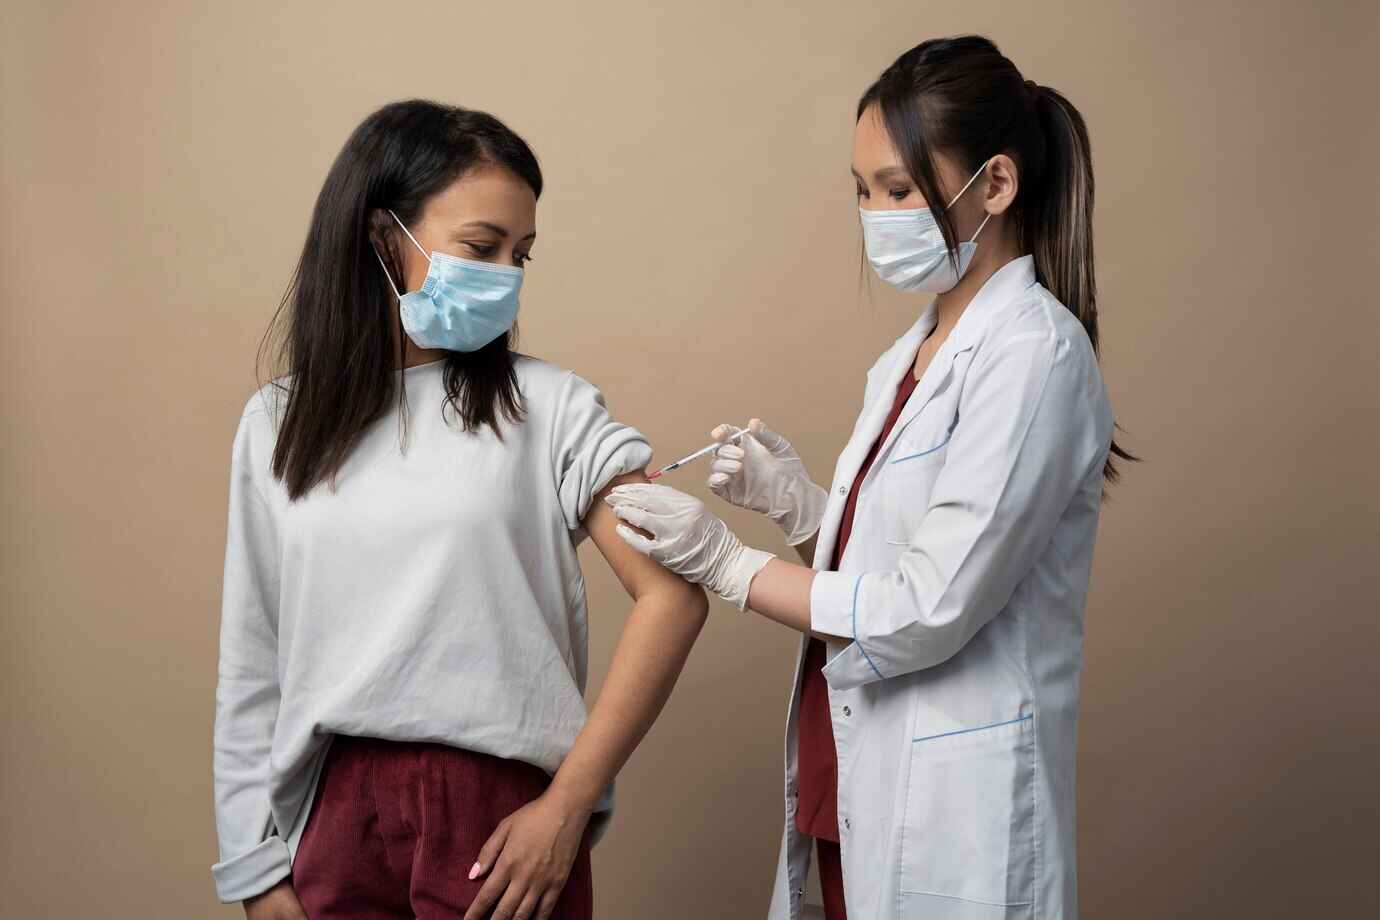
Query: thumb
{"points": [[768, 438], [488, 855]]}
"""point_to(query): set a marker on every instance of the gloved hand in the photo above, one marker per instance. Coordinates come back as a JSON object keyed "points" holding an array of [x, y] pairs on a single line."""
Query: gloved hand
{"points": [[687, 539], [764, 473]]}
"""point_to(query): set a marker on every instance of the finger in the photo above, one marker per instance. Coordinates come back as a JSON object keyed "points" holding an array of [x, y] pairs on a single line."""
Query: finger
{"points": [[488, 853], [527, 910], [638, 492], [724, 432], [508, 904], [729, 468], [488, 895], [622, 495], [548, 903], [615, 501], [635, 516], [718, 483], [766, 437], [652, 498], [729, 452], [635, 540]]}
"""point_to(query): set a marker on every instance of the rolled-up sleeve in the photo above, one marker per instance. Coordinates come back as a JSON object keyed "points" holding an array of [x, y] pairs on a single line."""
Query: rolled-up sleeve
{"points": [[1034, 427], [253, 857], [590, 449]]}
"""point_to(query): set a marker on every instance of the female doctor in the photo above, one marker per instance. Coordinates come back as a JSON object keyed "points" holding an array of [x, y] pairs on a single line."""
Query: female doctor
{"points": [[931, 736]]}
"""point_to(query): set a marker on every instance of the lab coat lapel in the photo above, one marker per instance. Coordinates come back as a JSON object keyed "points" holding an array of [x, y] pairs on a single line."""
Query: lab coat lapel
{"points": [[1005, 283], [935, 374], [865, 434]]}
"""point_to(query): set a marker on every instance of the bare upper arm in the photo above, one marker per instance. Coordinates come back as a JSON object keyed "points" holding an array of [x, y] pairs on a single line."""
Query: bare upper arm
{"points": [[639, 575]]}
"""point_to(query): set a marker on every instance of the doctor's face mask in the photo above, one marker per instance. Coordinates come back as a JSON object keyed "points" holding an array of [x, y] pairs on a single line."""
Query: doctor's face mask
{"points": [[907, 249]]}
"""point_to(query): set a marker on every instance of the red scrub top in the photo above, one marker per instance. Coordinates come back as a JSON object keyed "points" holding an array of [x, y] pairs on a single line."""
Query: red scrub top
{"points": [[817, 767]]}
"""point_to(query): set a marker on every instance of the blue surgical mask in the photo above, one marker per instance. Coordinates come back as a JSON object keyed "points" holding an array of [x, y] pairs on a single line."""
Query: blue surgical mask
{"points": [[907, 249], [462, 305]]}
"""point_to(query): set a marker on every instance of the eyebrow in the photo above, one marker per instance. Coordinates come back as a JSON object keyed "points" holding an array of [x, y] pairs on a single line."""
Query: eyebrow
{"points": [[885, 173], [495, 228]]}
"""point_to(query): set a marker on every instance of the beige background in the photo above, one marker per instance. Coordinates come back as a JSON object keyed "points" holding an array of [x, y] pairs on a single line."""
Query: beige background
{"points": [[699, 260]]}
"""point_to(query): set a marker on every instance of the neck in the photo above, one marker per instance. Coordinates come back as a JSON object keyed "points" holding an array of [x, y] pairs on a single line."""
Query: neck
{"points": [[996, 248], [413, 354]]}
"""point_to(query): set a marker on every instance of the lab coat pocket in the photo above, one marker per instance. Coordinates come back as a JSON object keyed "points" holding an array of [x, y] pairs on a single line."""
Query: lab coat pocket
{"points": [[907, 481], [969, 824]]}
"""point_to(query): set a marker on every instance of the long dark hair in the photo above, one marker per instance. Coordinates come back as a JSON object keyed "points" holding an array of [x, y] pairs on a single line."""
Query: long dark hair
{"points": [[964, 97], [338, 333]]}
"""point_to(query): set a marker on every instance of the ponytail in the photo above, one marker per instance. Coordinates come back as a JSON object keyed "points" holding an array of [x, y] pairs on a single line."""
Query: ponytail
{"points": [[962, 96], [1060, 219], [1060, 223]]}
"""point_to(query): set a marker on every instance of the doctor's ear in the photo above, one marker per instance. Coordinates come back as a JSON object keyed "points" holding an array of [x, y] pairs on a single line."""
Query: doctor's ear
{"points": [[1002, 184]]}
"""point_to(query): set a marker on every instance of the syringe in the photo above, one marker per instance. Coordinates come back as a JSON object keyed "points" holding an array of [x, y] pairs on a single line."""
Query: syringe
{"points": [[697, 454]]}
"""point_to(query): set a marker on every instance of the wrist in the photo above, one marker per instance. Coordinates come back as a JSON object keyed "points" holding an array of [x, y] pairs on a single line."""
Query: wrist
{"points": [[806, 511], [741, 568], [573, 798]]}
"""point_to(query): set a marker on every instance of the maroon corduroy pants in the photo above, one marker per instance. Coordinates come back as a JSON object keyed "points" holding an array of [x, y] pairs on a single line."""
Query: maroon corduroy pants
{"points": [[395, 827]]}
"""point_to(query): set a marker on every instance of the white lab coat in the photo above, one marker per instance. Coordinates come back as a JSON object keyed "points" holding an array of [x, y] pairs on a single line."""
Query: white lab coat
{"points": [[954, 703]]}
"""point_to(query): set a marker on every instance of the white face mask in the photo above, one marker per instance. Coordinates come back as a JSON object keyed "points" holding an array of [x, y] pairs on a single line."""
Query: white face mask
{"points": [[906, 248]]}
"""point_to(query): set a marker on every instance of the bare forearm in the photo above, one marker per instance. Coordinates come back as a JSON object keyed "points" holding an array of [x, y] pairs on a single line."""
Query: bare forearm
{"points": [[658, 636], [781, 592]]}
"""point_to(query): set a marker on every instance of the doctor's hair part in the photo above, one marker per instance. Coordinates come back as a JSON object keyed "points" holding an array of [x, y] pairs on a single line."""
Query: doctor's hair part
{"points": [[963, 98], [337, 337]]}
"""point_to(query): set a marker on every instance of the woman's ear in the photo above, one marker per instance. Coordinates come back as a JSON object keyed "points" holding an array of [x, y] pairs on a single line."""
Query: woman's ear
{"points": [[1002, 184], [379, 226]]}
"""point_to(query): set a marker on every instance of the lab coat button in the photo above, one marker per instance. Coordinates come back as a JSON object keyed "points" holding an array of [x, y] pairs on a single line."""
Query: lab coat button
{"points": [[847, 711], [847, 825], [843, 490]]}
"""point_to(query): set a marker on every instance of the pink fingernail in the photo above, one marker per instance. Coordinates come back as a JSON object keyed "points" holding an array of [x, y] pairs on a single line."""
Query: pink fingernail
{"points": [[475, 870]]}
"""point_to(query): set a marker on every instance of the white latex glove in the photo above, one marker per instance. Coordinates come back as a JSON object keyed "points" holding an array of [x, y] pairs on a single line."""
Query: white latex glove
{"points": [[764, 473], [687, 539]]}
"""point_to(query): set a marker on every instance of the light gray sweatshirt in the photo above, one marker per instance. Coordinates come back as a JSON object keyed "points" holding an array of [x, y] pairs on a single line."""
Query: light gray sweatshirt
{"points": [[434, 595]]}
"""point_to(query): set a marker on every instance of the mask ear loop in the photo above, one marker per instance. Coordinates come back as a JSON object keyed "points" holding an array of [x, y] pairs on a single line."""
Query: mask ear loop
{"points": [[981, 170], [386, 273], [428, 257], [980, 226]]}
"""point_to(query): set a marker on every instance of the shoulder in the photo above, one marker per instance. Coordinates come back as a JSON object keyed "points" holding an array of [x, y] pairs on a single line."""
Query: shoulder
{"points": [[1038, 326], [263, 410], [256, 435], [539, 374], [550, 384], [1036, 343], [543, 383], [886, 360], [888, 357], [556, 397]]}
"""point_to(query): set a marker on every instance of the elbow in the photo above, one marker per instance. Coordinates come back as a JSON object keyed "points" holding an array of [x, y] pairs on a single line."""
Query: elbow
{"points": [[680, 604]]}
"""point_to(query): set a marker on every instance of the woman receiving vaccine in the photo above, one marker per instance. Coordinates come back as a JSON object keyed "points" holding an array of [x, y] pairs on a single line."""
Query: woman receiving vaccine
{"points": [[400, 727], [931, 737]]}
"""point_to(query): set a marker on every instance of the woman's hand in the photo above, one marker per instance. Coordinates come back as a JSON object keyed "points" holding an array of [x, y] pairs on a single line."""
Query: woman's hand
{"points": [[687, 539], [277, 903], [528, 858], [764, 473]]}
